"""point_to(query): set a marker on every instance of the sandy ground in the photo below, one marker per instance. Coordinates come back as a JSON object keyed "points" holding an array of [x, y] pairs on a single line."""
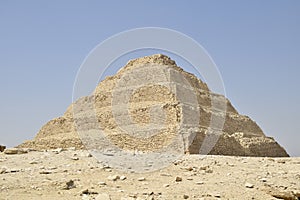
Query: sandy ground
{"points": [[74, 174]]}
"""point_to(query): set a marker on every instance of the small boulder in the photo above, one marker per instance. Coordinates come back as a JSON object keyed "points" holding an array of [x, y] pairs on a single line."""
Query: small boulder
{"points": [[3, 170], [249, 185], [2, 148], [101, 183], [69, 185], [11, 151], [113, 178], [141, 179], [178, 179], [87, 192]]}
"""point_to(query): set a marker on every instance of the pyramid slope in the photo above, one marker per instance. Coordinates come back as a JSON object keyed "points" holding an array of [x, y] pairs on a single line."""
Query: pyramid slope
{"points": [[182, 97]]}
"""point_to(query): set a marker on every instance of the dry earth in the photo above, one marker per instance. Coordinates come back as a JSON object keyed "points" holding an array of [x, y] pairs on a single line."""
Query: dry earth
{"points": [[75, 174]]}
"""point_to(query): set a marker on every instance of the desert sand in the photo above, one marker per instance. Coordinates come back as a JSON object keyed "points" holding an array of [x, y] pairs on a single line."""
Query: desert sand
{"points": [[75, 174]]}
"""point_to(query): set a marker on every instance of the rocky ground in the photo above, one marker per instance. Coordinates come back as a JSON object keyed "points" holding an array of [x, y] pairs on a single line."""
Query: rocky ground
{"points": [[75, 174]]}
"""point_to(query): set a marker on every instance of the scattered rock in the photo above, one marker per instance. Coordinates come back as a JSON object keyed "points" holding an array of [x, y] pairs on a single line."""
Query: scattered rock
{"points": [[89, 155], [217, 195], [46, 172], [178, 179], [101, 183], [166, 185], [122, 178], [69, 185], [57, 150], [281, 161], [249, 185], [297, 193], [88, 192], [230, 164], [209, 171], [75, 158], [113, 178], [2, 148], [263, 180], [204, 167], [33, 162], [141, 179], [133, 195], [12, 170], [282, 195], [11, 151], [177, 162], [164, 174], [189, 168], [3, 170], [185, 196]]}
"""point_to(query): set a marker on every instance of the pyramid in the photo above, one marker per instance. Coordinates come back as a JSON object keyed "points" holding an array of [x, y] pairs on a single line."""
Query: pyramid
{"points": [[150, 104]]}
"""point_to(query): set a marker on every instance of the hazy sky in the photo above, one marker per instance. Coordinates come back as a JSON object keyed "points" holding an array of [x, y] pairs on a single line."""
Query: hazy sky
{"points": [[255, 44]]}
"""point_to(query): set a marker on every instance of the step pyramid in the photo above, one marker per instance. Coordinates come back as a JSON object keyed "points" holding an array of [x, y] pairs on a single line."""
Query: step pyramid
{"points": [[151, 104]]}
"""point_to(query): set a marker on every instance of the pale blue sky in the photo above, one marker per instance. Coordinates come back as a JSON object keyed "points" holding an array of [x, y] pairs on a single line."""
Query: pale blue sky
{"points": [[255, 44]]}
